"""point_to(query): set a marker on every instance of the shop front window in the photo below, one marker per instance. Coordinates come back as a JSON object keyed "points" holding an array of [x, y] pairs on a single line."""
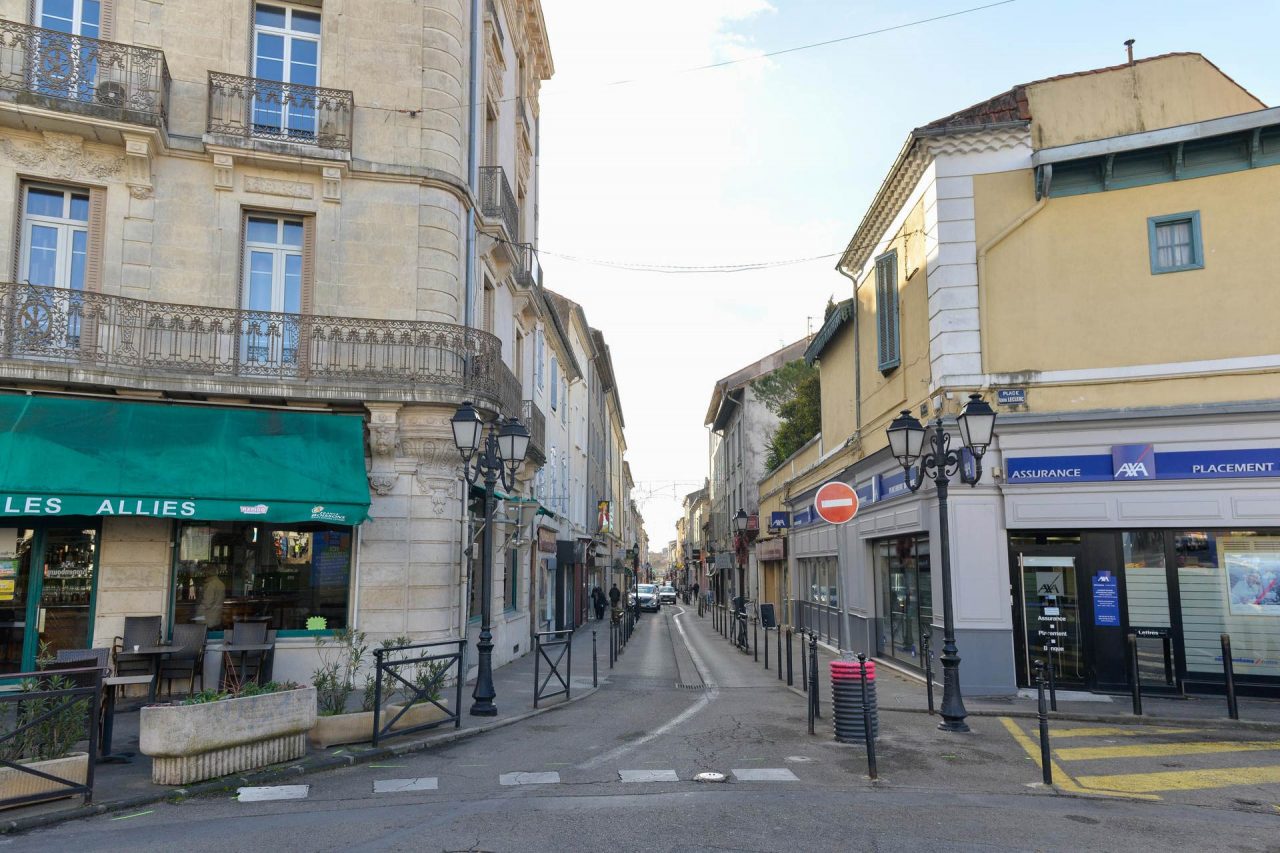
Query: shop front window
{"points": [[298, 578], [1229, 583], [904, 574]]}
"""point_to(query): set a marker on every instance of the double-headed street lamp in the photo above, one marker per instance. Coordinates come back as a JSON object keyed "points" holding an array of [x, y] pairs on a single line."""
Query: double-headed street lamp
{"points": [[740, 551], [494, 456], [940, 463]]}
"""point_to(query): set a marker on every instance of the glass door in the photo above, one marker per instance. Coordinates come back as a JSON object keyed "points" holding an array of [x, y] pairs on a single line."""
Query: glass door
{"points": [[286, 51], [64, 64], [64, 617], [1051, 616], [16, 553]]}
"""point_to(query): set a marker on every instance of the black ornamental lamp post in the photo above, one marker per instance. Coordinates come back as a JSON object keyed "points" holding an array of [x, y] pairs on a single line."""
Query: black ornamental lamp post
{"points": [[493, 455], [740, 527], [940, 463]]}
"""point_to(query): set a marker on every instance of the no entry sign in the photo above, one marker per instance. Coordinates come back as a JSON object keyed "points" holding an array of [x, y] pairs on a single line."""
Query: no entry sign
{"points": [[836, 502]]}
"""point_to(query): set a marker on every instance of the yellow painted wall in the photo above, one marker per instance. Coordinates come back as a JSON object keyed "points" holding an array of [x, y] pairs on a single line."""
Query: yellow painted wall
{"points": [[1151, 94], [1073, 288], [837, 374]]}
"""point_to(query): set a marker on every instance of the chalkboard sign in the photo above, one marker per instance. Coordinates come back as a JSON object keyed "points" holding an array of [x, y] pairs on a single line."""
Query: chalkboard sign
{"points": [[767, 619]]}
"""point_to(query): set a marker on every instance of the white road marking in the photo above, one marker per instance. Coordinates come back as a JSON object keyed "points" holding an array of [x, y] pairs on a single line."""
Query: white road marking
{"points": [[837, 502], [708, 696], [648, 776], [273, 792], [397, 786], [550, 777], [765, 774]]}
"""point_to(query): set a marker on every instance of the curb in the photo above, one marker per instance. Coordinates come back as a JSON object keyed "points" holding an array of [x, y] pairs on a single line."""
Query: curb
{"points": [[316, 765]]}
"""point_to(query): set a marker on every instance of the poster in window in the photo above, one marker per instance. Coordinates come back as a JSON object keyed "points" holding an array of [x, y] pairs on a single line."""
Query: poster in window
{"points": [[1253, 582], [8, 552]]}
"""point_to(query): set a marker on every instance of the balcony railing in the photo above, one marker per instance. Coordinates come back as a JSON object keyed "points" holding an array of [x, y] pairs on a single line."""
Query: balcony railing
{"points": [[252, 108], [497, 200], [95, 331], [84, 75], [537, 424], [528, 269]]}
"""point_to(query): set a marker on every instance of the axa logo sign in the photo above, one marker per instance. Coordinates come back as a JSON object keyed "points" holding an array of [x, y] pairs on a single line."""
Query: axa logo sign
{"points": [[1133, 462]]}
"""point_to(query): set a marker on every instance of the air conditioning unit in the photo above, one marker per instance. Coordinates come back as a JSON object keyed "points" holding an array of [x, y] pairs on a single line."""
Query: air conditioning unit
{"points": [[112, 93]]}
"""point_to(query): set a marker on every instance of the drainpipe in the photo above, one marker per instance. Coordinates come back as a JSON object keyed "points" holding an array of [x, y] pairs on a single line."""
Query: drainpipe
{"points": [[473, 161], [982, 265]]}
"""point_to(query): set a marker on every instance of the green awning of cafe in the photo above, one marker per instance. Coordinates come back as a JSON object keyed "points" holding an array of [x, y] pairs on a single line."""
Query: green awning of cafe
{"points": [[64, 456]]}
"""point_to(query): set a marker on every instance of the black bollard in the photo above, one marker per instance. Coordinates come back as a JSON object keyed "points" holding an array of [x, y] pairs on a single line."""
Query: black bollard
{"points": [[613, 632], [1134, 683], [595, 676], [809, 699], [1229, 678], [755, 640], [1053, 688], [928, 668], [804, 664], [766, 649], [813, 674], [790, 657], [866, 719], [779, 657], [1042, 714]]}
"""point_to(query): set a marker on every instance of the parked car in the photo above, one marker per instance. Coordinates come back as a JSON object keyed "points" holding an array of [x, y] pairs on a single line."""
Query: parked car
{"points": [[667, 595], [648, 597]]}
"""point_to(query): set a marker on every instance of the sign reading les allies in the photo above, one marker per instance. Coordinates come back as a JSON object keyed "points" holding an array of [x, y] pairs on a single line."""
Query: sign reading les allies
{"points": [[836, 502]]}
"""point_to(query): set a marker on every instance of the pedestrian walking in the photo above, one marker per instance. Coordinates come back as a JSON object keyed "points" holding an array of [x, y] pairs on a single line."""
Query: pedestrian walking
{"points": [[614, 595], [598, 599]]}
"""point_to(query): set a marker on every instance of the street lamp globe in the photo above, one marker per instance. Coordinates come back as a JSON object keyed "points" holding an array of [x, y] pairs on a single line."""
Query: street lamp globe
{"points": [[513, 442], [466, 430], [906, 438], [740, 521], [977, 422]]}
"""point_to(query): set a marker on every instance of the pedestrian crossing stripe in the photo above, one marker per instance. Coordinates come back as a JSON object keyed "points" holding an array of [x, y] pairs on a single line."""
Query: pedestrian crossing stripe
{"points": [[1062, 781], [1156, 750], [1115, 731], [1138, 784]]}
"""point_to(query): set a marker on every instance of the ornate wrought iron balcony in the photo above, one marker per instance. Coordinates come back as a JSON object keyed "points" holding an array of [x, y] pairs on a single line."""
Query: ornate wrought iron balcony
{"points": [[537, 424], [56, 334], [497, 200], [65, 72], [528, 270], [252, 108]]}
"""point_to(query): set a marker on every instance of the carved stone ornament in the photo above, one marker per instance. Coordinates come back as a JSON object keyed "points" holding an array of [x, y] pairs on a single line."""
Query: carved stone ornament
{"points": [[273, 186], [382, 483], [383, 439], [62, 155], [438, 489]]}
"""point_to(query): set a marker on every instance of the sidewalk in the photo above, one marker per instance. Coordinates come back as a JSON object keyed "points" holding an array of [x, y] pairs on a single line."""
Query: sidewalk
{"points": [[119, 787], [899, 689]]}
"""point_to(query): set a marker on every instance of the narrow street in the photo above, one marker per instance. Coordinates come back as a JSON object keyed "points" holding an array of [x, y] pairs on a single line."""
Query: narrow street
{"points": [[615, 771]]}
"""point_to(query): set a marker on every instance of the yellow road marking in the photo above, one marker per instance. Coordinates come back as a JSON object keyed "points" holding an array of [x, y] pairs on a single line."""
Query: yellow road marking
{"points": [[1124, 731], [1149, 750], [1062, 780], [1185, 780]]}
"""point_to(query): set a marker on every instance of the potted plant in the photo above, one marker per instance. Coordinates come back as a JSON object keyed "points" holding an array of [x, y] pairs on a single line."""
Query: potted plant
{"points": [[428, 679], [46, 744], [341, 657], [214, 733]]}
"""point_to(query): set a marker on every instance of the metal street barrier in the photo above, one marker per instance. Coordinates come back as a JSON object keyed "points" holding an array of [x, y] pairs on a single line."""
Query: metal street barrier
{"points": [[543, 640], [1229, 678], [47, 699], [427, 667]]}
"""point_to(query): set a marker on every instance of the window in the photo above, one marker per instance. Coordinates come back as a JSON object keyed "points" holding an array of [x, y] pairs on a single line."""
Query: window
{"points": [[273, 278], [490, 135], [297, 577], [486, 307], [539, 356], [286, 50], [1175, 242], [889, 353], [555, 383], [64, 66], [564, 399], [517, 354], [55, 240]]}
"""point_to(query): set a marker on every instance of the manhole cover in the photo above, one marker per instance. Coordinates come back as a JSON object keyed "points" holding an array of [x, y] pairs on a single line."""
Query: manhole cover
{"points": [[709, 776]]}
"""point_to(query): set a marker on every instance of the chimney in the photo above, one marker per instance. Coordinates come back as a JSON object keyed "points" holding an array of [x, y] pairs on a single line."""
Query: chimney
{"points": [[1128, 46]]}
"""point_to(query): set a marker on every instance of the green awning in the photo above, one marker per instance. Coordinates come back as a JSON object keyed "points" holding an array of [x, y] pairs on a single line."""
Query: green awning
{"points": [[476, 492], [64, 456]]}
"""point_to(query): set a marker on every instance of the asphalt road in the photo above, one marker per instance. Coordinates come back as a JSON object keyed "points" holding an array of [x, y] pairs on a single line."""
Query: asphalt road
{"points": [[615, 772]]}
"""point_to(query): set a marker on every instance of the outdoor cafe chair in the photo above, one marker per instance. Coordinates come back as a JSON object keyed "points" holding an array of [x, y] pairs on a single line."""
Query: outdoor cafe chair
{"points": [[138, 631], [187, 659]]}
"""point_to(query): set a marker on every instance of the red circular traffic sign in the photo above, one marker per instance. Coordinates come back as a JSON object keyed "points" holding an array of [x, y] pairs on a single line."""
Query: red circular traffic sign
{"points": [[836, 502]]}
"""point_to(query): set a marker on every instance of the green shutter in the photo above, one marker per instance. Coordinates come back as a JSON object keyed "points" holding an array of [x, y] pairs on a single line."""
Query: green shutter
{"points": [[889, 351]]}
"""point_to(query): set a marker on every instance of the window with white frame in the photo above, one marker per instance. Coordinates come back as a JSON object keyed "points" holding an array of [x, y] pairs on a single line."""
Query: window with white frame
{"points": [[1175, 243], [286, 50], [889, 345], [55, 253], [58, 65], [555, 383], [273, 264]]}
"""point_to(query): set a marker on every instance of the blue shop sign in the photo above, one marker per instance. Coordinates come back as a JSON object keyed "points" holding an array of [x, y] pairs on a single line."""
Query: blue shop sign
{"points": [[1011, 396], [866, 493], [1142, 462], [891, 485], [805, 516], [779, 520], [1106, 600]]}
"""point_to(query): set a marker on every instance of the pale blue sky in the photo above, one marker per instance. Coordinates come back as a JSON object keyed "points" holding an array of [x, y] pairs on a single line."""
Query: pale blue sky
{"points": [[776, 159]]}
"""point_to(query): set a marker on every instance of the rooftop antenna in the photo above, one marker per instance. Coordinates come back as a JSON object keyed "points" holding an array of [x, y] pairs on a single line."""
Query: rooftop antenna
{"points": [[1128, 46]]}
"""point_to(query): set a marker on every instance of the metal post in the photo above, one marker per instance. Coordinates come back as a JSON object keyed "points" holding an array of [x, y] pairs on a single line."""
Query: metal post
{"points": [[790, 657], [1042, 714], [1167, 641], [804, 665], [755, 639], [537, 654], [1134, 683], [779, 657], [484, 692], [1053, 688], [928, 668], [377, 692], [613, 636], [953, 712], [813, 675], [1229, 677], [866, 719], [568, 666], [766, 650], [595, 675], [809, 697]]}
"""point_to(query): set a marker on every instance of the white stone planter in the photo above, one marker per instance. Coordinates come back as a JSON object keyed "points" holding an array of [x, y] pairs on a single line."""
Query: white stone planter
{"points": [[188, 743], [334, 729], [15, 783], [417, 715]]}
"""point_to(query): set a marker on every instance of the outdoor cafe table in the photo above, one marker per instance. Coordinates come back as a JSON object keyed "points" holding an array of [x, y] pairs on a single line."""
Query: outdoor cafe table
{"points": [[229, 663], [153, 654], [110, 683]]}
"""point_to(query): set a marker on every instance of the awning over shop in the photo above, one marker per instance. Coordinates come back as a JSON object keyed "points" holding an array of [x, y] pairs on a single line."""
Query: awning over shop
{"points": [[64, 456], [477, 492]]}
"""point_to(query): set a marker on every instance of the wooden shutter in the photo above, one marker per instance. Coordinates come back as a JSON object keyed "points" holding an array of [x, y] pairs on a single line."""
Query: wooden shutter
{"points": [[888, 354], [97, 237], [307, 302], [107, 19], [16, 266]]}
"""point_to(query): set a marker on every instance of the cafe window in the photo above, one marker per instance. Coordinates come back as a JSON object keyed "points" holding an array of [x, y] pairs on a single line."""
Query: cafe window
{"points": [[1229, 582], [297, 577]]}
